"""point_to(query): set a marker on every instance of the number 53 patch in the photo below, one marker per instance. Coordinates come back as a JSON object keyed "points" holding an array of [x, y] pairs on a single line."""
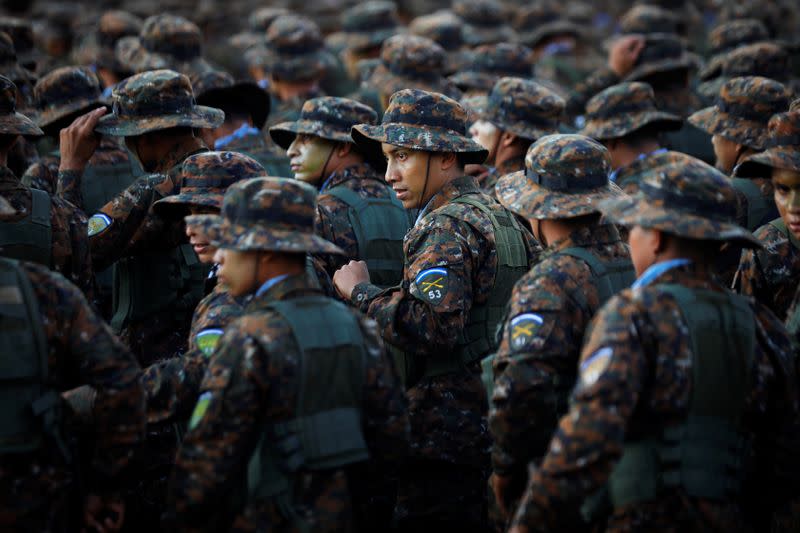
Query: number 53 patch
{"points": [[432, 284]]}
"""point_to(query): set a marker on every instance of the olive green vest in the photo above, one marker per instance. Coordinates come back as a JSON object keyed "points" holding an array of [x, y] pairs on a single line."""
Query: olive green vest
{"points": [[30, 414], [30, 239], [102, 183], [326, 431], [380, 225], [760, 209]]}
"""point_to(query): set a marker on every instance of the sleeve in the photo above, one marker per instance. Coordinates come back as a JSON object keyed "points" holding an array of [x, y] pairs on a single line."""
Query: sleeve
{"points": [[69, 187], [171, 386], [39, 176], [81, 267], [749, 279], [333, 224]]}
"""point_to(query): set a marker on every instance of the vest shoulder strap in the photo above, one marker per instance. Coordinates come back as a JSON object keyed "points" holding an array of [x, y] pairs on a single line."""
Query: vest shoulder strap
{"points": [[780, 225], [610, 277]]}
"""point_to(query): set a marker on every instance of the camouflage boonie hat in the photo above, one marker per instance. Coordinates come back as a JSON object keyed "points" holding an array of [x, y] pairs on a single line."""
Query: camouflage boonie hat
{"points": [[156, 100], [260, 20], [421, 120], [682, 196], [271, 215], [491, 62], [444, 28], [113, 26], [475, 105], [64, 92], [412, 62], [782, 147], [368, 24], [644, 19], [21, 33], [662, 52], [484, 22], [9, 67], [216, 88], [742, 111], [327, 117], [295, 49], [541, 21], [765, 59], [166, 41], [204, 179], [728, 36], [12, 122], [565, 176], [624, 108], [524, 108]]}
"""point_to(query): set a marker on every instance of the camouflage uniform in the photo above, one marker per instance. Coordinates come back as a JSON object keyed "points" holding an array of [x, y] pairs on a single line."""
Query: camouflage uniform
{"points": [[112, 26], [40, 490], [251, 388], [489, 63], [636, 387], [483, 22], [551, 306], [444, 482], [727, 36], [771, 274], [444, 28]]}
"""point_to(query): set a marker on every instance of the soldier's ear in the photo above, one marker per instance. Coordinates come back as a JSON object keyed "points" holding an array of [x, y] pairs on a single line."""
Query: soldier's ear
{"points": [[507, 138], [449, 159], [344, 149]]}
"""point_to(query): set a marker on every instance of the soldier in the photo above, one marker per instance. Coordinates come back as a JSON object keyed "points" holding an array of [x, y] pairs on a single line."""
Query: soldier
{"points": [[518, 112], [726, 37], [24, 153], [364, 28], [462, 258], [159, 277], [489, 63], [624, 118], [356, 209], [53, 342], [771, 274], [111, 27], [444, 28], [44, 229], [483, 22], [585, 263], [261, 420], [686, 406], [246, 107]]}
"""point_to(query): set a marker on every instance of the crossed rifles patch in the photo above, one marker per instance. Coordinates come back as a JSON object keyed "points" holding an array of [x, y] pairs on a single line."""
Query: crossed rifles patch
{"points": [[432, 284]]}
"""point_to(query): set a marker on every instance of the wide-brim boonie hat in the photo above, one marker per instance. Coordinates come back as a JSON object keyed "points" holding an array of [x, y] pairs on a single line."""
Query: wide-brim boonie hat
{"points": [[196, 117], [712, 120], [284, 134], [19, 124], [543, 31], [269, 239], [53, 115], [388, 82], [687, 61], [620, 126], [178, 203], [208, 225]]}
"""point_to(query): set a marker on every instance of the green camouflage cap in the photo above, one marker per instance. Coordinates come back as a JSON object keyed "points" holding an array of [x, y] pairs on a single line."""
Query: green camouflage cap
{"points": [[644, 19], [166, 41], [782, 147], [260, 20], [21, 33], [113, 26], [565, 176], [156, 100], [444, 28], [728, 36], [295, 49], [524, 108], [11, 122], [421, 120], [743, 109], [662, 52], [65, 92], [682, 196], [411, 62], [624, 108], [484, 22], [543, 20], [766, 59], [368, 24], [327, 117], [218, 89], [271, 215], [204, 178], [490, 62]]}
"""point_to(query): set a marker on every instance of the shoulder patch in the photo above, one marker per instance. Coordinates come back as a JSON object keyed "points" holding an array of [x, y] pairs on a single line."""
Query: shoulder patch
{"points": [[200, 409], [432, 284], [523, 328], [207, 340], [593, 367], [98, 223]]}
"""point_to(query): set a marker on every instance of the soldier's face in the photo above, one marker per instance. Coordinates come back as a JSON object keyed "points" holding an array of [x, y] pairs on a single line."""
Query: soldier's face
{"points": [[487, 135], [412, 176], [726, 152], [787, 197], [643, 243], [200, 244], [238, 271], [308, 156]]}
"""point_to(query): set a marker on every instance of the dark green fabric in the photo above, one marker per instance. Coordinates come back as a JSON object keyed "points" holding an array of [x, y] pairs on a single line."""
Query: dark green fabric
{"points": [[30, 239], [780, 225], [609, 277], [102, 183], [760, 209], [691, 140], [704, 456], [380, 225]]}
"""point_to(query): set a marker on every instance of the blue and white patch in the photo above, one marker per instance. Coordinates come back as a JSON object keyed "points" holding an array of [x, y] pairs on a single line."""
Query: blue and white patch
{"points": [[207, 340], [523, 328], [593, 367], [200, 409], [432, 284], [98, 223]]}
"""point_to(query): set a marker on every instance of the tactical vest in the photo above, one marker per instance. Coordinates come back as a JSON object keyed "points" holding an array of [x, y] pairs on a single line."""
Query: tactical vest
{"points": [[780, 225], [30, 239], [705, 455], [30, 415], [151, 283], [609, 278], [380, 225], [326, 431], [760, 209], [102, 183]]}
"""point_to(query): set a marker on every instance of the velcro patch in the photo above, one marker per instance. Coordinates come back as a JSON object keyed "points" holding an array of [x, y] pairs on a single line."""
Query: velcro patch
{"points": [[200, 409], [207, 340], [523, 328], [98, 223], [593, 367], [432, 284]]}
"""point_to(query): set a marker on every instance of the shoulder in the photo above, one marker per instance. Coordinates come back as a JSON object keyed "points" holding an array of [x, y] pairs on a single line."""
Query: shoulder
{"points": [[53, 290], [770, 236], [544, 284]]}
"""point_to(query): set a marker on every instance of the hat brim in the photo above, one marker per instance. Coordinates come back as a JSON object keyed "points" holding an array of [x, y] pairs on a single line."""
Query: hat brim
{"points": [[307, 66], [198, 117], [712, 68], [253, 97], [369, 139], [388, 82], [211, 224], [473, 35], [373, 39], [262, 238], [560, 27], [750, 133], [470, 80], [19, 124], [686, 61], [623, 125], [759, 165], [284, 134], [530, 200], [632, 211], [177, 204], [48, 117]]}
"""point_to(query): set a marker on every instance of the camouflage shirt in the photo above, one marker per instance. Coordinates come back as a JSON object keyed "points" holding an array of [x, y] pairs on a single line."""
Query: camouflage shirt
{"points": [[488, 179], [770, 275], [263, 150], [81, 350], [626, 383], [252, 383]]}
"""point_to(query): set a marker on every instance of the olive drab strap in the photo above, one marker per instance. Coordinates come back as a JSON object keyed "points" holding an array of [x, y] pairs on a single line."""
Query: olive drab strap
{"points": [[609, 277], [102, 183], [31, 238], [704, 455], [760, 209], [780, 225], [326, 431], [380, 225], [311, 273]]}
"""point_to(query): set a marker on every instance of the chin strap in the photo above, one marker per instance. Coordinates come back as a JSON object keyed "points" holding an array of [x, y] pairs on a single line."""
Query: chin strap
{"points": [[425, 186], [322, 175]]}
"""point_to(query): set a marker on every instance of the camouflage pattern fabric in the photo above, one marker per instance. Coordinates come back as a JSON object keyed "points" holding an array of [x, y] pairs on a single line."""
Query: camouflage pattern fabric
{"points": [[218, 89], [368, 24], [484, 22], [661, 53], [487, 180], [444, 28], [64, 92], [524, 108], [112, 26], [727, 36], [543, 20], [490, 62], [647, 18], [765, 59], [269, 156], [295, 49], [781, 147], [12, 122], [327, 117]]}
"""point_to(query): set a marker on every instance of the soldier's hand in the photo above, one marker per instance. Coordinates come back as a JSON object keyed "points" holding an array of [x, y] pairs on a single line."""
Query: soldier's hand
{"points": [[78, 141], [104, 514], [346, 278], [623, 54]]}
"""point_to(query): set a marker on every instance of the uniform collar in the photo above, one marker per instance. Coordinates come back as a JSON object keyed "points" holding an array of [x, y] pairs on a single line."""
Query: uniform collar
{"points": [[663, 271], [452, 189], [180, 151], [358, 171], [242, 132], [282, 287]]}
